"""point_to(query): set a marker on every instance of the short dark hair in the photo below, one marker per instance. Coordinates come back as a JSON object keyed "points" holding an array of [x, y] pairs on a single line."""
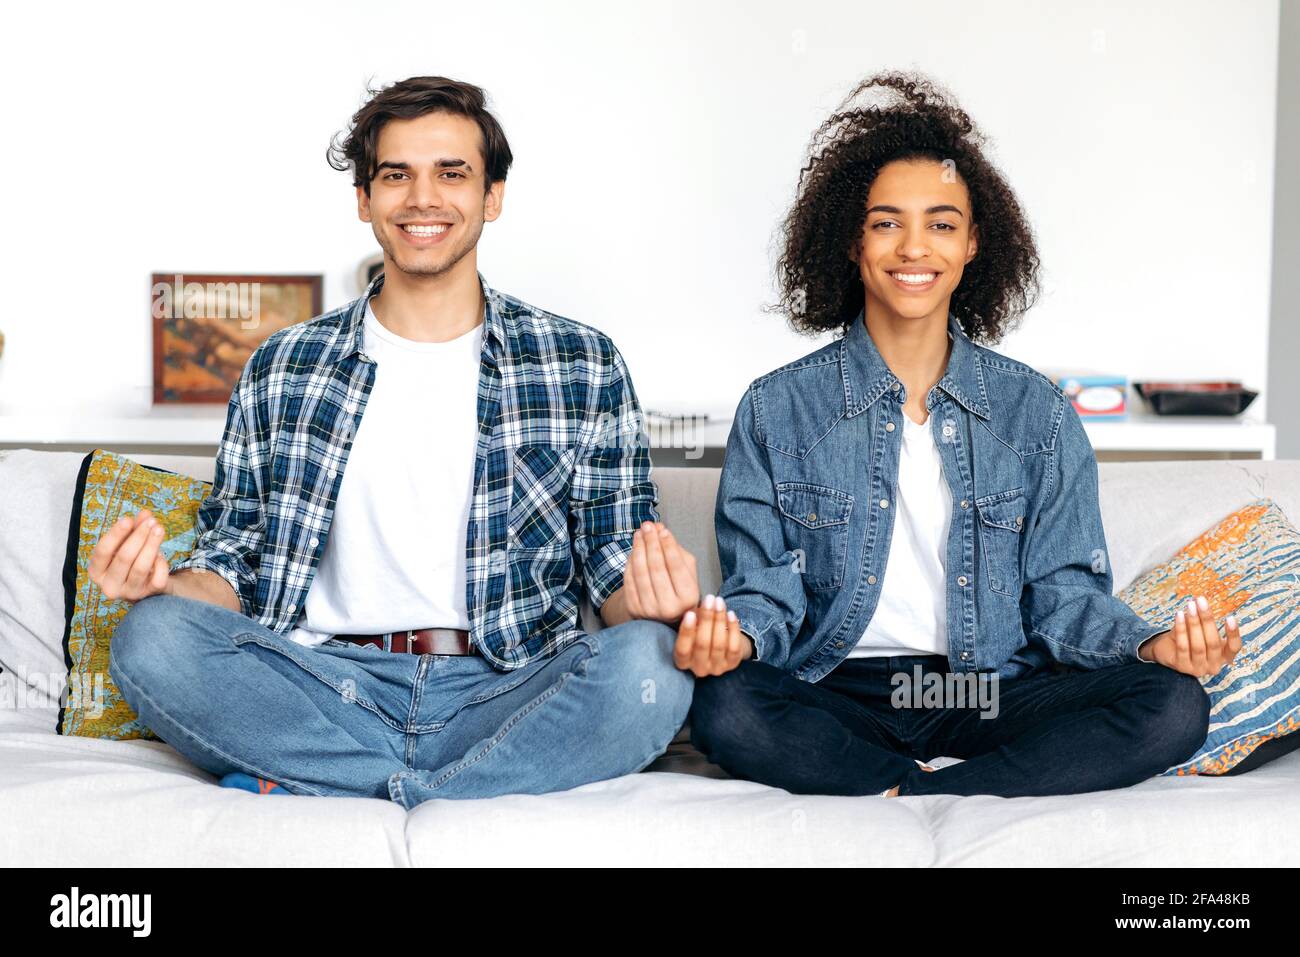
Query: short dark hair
{"points": [[821, 287], [406, 100]]}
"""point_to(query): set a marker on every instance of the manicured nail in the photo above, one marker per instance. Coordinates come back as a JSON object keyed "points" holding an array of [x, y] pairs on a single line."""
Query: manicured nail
{"points": [[731, 615], [689, 618], [1200, 600], [1232, 621], [1179, 615], [1191, 607], [157, 530], [708, 601]]}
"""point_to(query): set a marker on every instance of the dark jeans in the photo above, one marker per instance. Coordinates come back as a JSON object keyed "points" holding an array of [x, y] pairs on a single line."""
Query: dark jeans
{"points": [[1054, 732]]}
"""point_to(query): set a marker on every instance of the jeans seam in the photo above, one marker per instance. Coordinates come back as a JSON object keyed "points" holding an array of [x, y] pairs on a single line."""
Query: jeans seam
{"points": [[593, 650], [505, 730], [122, 678]]}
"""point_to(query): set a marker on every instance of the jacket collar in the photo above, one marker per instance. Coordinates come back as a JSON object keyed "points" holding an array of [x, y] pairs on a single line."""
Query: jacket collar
{"points": [[867, 377], [352, 337]]}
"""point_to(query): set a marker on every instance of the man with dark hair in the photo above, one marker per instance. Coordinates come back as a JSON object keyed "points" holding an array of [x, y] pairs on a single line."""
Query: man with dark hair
{"points": [[438, 456]]}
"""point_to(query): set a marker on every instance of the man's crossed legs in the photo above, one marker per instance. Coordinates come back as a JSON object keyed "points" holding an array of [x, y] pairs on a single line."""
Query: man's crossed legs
{"points": [[355, 720]]}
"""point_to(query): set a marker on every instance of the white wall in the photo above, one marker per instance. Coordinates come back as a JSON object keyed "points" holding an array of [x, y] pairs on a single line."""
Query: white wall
{"points": [[657, 144]]}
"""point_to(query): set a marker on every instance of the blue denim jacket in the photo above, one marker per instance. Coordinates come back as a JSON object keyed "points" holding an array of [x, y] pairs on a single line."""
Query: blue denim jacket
{"points": [[804, 518]]}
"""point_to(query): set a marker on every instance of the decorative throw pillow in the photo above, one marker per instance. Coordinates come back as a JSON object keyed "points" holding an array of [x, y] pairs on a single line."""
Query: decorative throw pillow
{"points": [[1248, 565], [108, 487]]}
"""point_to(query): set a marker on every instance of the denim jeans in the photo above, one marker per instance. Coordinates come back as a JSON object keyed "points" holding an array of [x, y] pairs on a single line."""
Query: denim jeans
{"points": [[356, 720], [1051, 733]]}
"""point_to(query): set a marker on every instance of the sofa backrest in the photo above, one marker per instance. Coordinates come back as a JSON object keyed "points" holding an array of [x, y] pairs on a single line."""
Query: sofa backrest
{"points": [[1149, 509]]}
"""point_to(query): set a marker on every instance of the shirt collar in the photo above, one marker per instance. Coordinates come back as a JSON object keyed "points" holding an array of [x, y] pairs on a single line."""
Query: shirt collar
{"points": [[867, 377], [353, 336]]}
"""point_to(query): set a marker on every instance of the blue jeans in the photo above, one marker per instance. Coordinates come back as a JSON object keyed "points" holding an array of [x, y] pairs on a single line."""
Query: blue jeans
{"points": [[1052, 732], [357, 720]]}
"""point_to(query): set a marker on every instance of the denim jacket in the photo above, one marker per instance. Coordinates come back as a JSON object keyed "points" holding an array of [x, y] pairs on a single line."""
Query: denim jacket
{"points": [[804, 514]]}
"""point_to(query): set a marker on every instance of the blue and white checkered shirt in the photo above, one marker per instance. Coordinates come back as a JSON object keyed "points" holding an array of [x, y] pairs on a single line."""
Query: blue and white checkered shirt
{"points": [[561, 473]]}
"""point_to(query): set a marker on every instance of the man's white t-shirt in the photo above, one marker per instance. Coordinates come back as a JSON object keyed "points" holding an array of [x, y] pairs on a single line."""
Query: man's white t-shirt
{"points": [[911, 616], [395, 554]]}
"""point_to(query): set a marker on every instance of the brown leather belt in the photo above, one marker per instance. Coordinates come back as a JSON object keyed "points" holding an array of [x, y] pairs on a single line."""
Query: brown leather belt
{"points": [[419, 641]]}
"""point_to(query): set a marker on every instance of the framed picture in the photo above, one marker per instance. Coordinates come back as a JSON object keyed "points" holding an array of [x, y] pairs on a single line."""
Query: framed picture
{"points": [[206, 326]]}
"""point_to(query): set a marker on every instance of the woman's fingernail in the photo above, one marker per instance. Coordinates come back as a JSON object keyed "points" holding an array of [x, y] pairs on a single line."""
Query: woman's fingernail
{"points": [[157, 530], [1200, 600], [689, 617], [1179, 615], [708, 601], [1232, 621], [1191, 607], [731, 615]]}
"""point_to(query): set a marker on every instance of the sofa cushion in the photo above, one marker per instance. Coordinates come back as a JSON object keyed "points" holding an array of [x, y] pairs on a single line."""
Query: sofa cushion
{"points": [[36, 490], [108, 487], [1247, 565]]}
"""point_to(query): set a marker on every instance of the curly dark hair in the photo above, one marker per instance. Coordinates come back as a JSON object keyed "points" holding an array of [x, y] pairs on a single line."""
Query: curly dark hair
{"points": [[406, 100], [821, 287]]}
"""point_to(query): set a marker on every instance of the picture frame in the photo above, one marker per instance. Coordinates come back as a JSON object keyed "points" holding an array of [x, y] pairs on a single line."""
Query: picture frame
{"points": [[206, 326]]}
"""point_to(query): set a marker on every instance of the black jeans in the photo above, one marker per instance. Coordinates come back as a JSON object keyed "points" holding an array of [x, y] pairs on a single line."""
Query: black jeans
{"points": [[1055, 732]]}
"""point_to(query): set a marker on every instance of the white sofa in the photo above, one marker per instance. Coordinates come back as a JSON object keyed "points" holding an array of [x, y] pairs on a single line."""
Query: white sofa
{"points": [[82, 801]]}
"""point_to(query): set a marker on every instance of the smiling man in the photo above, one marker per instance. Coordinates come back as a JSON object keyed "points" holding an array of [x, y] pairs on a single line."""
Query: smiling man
{"points": [[412, 496]]}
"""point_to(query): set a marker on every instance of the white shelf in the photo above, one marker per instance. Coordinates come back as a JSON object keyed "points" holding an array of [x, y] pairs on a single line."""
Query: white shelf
{"points": [[1142, 432], [201, 431]]}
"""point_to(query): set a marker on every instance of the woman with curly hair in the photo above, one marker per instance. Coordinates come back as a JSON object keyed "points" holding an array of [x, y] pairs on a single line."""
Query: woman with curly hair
{"points": [[907, 518]]}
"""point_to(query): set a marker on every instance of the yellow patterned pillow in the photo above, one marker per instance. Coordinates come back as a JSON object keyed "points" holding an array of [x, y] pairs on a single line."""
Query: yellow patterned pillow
{"points": [[108, 487], [1248, 565]]}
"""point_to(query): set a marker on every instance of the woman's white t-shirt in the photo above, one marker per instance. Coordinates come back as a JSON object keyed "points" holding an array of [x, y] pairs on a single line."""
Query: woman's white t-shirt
{"points": [[911, 616]]}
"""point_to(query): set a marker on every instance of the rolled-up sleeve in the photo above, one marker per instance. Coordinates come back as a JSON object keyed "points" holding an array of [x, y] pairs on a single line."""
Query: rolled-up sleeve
{"points": [[612, 492], [230, 523], [1067, 599], [760, 574]]}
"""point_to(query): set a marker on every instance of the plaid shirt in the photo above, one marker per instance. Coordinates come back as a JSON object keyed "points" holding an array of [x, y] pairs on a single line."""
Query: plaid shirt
{"points": [[561, 473]]}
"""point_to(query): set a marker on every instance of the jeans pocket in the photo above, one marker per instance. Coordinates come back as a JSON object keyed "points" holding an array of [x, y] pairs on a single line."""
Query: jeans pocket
{"points": [[816, 520], [335, 672], [1002, 519]]}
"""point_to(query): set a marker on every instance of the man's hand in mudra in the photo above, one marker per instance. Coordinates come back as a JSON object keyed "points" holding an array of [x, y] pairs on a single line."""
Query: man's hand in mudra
{"points": [[659, 581]]}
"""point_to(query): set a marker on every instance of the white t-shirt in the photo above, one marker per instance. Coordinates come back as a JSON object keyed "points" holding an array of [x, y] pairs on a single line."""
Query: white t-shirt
{"points": [[911, 617], [394, 557]]}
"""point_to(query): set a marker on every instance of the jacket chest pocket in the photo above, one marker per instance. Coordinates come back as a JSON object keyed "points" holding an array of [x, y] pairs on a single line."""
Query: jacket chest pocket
{"points": [[1002, 519], [816, 520], [539, 497]]}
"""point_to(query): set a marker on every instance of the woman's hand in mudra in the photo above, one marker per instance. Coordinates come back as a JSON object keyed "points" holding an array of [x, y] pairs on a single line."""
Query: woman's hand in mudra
{"points": [[1193, 646]]}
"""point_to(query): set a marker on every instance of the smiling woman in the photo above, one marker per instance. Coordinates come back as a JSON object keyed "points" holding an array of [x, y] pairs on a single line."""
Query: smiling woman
{"points": [[841, 243]]}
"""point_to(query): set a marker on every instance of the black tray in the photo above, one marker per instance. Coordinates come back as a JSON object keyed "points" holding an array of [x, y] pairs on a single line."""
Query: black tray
{"points": [[1196, 398]]}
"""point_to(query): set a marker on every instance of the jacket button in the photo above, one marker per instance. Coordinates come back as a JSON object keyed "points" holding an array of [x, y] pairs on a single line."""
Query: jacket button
{"points": [[839, 644], [884, 503], [965, 504], [947, 430], [315, 542], [889, 426], [961, 580], [871, 579], [292, 607], [1020, 520], [965, 655], [812, 516], [895, 387]]}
